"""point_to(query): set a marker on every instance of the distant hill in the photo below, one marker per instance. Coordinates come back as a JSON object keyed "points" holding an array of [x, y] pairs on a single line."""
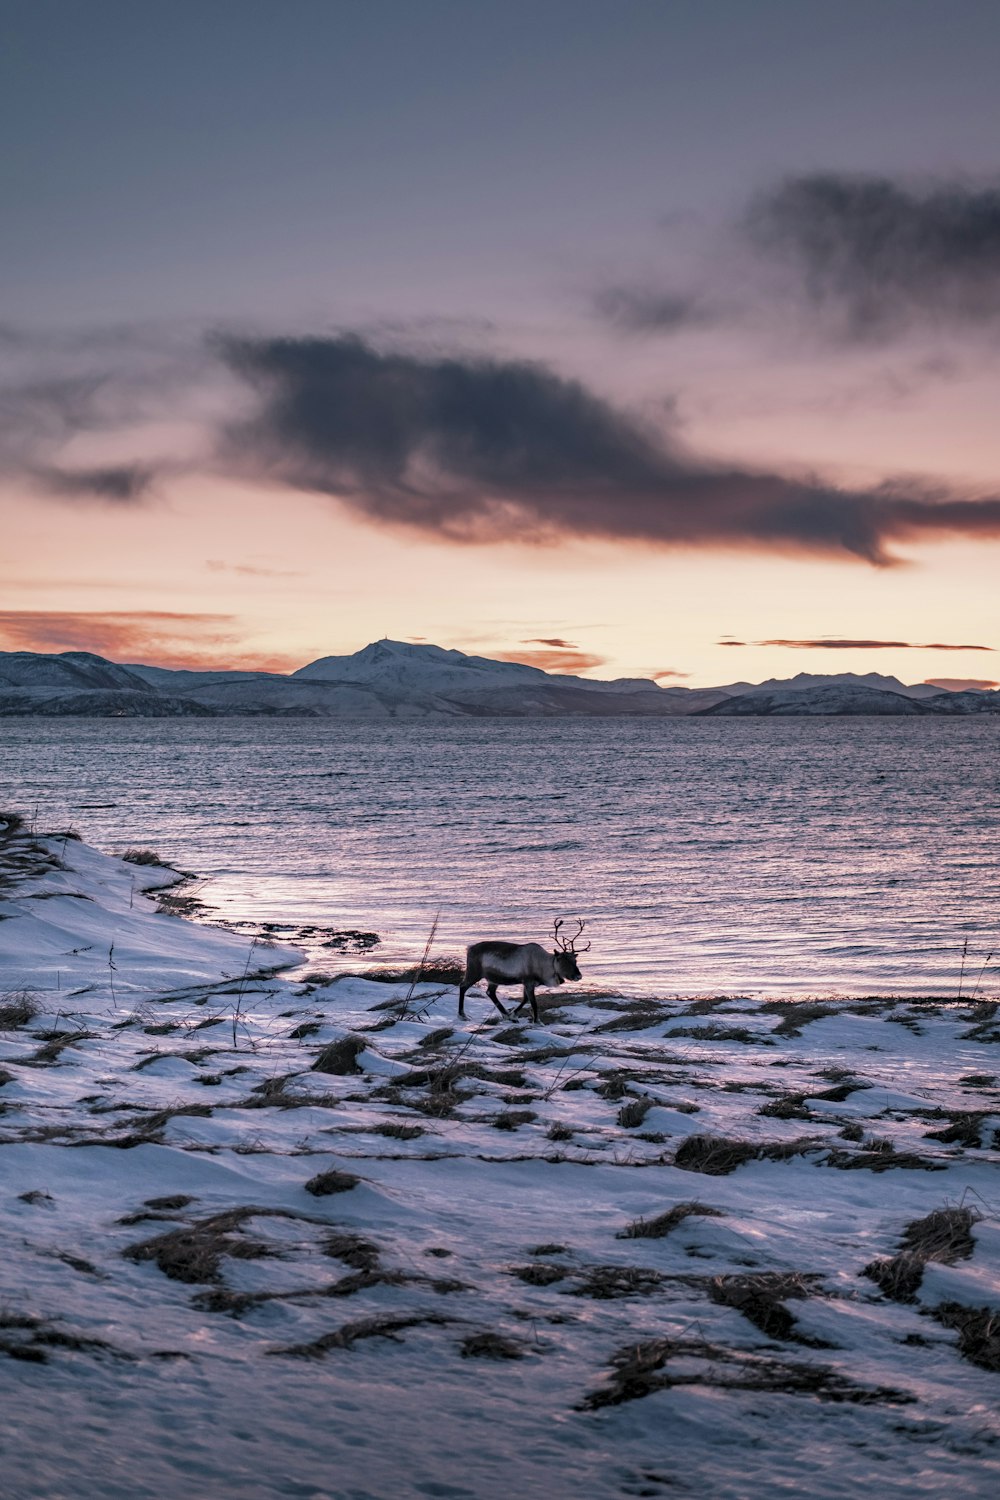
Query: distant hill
{"points": [[405, 680], [803, 680], [836, 699]]}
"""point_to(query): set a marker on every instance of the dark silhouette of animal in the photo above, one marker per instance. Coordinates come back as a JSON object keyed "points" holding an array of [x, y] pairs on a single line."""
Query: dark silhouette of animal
{"points": [[527, 964]]}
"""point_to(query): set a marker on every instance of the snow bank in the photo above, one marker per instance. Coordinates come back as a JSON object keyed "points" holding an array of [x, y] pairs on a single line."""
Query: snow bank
{"points": [[465, 1259]]}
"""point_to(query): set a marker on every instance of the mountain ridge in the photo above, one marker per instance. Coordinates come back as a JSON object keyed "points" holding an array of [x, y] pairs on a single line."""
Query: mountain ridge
{"points": [[402, 679]]}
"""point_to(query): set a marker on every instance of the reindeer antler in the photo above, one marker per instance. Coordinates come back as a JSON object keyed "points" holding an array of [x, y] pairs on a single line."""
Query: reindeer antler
{"points": [[569, 945]]}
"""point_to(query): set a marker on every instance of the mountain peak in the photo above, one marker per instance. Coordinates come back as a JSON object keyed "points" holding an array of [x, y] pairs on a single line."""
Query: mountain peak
{"points": [[417, 665]]}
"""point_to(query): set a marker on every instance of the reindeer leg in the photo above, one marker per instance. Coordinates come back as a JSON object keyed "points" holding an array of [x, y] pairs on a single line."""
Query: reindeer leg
{"points": [[529, 996], [461, 997], [491, 990]]}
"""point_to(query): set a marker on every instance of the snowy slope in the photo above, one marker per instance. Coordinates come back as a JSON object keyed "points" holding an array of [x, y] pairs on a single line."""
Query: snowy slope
{"points": [[99, 702], [269, 1238], [803, 680], [410, 667], [840, 699], [70, 671]]}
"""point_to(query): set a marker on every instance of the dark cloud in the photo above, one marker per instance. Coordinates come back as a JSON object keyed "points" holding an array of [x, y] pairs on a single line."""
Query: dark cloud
{"points": [[480, 450], [555, 641], [38, 415], [832, 643], [120, 484], [879, 255], [646, 309], [56, 386]]}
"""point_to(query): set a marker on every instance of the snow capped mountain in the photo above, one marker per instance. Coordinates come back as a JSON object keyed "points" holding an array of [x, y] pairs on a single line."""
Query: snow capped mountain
{"points": [[838, 698], [804, 680], [407, 665], [68, 670], [78, 682], [404, 679]]}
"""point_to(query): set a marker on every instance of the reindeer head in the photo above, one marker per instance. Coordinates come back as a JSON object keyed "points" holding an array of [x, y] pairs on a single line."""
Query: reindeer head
{"points": [[566, 950]]}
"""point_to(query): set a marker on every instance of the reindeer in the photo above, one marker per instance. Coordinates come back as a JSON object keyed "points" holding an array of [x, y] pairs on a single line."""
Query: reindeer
{"points": [[527, 964]]}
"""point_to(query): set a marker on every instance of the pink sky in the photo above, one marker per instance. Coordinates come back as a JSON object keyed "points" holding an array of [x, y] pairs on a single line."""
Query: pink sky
{"points": [[633, 340]]}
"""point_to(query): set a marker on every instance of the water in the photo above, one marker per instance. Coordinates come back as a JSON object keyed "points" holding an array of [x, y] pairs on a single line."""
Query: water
{"points": [[790, 856]]}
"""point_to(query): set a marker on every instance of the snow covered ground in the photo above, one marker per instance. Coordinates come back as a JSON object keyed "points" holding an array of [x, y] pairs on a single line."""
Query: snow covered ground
{"points": [[292, 1236]]}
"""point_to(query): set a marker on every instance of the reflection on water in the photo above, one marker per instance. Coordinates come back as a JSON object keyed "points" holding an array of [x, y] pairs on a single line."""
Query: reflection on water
{"points": [[796, 855]]}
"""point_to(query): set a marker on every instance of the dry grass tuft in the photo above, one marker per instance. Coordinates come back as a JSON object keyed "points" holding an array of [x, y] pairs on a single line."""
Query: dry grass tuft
{"points": [[149, 1128], [637, 1017], [353, 1249], [964, 1129], [607, 1282], [193, 1254], [795, 1014], [17, 1008], [881, 1160], [437, 1037], [944, 1236], [898, 1276], [542, 1273], [786, 1107], [718, 1033], [634, 1112], [978, 1332], [511, 1036], [640, 1369], [491, 1346], [396, 1130], [512, 1119], [145, 857], [334, 1181], [28, 1338], [438, 970], [340, 1058], [345, 1337], [759, 1297], [303, 1030], [663, 1224], [363, 1281], [717, 1156], [53, 1045]]}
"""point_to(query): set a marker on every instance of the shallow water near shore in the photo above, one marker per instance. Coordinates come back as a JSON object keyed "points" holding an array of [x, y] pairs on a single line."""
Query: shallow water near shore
{"points": [[844, 856]]}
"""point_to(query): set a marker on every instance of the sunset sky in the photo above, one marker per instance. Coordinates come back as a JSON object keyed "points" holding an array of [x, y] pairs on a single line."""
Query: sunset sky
{"points": [[654, 337]]}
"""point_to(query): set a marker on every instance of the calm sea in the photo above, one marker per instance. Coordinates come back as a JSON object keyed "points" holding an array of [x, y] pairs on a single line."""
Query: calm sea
{"points": [[793, 856]]}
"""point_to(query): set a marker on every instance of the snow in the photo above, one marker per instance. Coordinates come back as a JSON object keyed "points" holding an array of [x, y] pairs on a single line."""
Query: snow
{"points": [[494, 1178]]}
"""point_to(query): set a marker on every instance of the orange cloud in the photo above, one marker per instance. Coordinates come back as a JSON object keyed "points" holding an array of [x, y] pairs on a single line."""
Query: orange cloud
{"points": [[161, 638], [958, 684], [553, 659], [216, 565], [669, 672]]}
